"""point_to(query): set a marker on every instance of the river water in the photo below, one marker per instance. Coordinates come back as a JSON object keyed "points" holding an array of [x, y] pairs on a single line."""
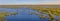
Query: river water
{"points": [[23, 15]]}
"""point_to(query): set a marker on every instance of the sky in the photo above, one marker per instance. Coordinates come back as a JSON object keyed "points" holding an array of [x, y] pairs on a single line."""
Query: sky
{"points": [[29, 1]]}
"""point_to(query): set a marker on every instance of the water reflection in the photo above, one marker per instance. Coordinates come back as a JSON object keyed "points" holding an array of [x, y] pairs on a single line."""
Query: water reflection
{"points": [[23, 15]]}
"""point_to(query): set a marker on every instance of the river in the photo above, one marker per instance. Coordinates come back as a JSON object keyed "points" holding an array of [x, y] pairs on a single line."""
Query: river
{"points": [[22, 15]]}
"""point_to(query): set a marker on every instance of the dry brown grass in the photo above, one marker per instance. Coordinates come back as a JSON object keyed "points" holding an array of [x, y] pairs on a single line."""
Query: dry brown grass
{"points": [[18, 6]]}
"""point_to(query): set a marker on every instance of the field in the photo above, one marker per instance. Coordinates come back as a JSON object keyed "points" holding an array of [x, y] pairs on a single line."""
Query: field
{"points": [[18, 6]]}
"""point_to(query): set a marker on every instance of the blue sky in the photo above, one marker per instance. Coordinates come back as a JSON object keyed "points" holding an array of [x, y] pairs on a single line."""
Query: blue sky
{"points": [[28, 1]]}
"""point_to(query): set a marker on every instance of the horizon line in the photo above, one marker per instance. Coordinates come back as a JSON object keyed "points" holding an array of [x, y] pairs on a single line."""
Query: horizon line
{"points": [[29, 4]]}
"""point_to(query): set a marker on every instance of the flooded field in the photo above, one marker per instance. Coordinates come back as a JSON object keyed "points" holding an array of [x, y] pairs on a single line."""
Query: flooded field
{"points": [[25, 13]]}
